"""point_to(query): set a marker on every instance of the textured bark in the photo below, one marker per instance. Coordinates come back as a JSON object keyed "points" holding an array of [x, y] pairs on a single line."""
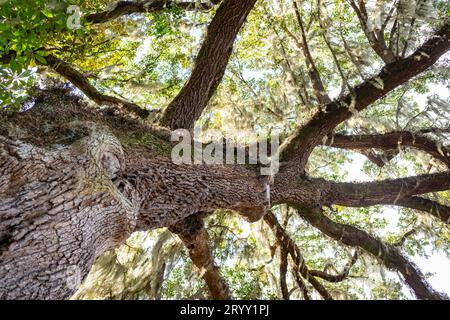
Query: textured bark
{"points": [[317, 192], [195, 237], [392, 141], [75, 182], [387, 191], [64, 204], [389, 255], [59, 210], [210, 65], [168, 192], [65, 213]]}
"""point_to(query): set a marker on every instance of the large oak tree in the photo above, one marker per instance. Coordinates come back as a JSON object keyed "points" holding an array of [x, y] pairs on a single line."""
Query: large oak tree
{"points": [[77, 180]]}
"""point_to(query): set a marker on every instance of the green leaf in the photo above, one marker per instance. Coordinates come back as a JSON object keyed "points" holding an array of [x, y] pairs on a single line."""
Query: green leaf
{"points": [[47, 13], [40, 59]]}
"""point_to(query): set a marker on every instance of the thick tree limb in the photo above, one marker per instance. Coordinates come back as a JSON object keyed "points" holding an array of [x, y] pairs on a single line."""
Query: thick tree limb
{"points": [[289, 245], [398, 192], [92, 195], [435, 130], [391, 141], [317, 192], [195, 237], [388, 191], [82, 83], [389, 255], [298, 148], [122, 8], [210, 65], [101, 182], [434, 208]]}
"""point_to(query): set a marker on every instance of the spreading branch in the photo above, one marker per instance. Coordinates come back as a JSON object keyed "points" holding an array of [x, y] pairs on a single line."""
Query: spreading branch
{"points": [[398, 192], [300, 145], [193, 234], [83, 84], [375, 36], [391, 141], [210, 65], [387, 191], [289, 245], [319, 88], [389, 255], [123, 8], [80, 81], [434, 208]]}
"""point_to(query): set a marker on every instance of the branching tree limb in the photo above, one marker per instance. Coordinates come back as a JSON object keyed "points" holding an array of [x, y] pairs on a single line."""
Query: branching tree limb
{"points": [[95, 188], [82, 83], [317, 192], [374, 35], [210, 65], [387, 191], [389, 255], [391, 141], [195, 237], [330, 47], [122, 8], [298, 148], [434, 208], [286, 241]]}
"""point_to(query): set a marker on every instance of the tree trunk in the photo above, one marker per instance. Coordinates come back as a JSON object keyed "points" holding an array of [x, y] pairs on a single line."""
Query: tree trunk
{"points": [[59, 210], [64, 204]]}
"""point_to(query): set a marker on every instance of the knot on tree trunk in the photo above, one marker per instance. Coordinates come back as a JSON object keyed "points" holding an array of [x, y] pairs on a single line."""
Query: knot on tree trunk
{"points": [[59, 210], [252, 212], [103, 147]]}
